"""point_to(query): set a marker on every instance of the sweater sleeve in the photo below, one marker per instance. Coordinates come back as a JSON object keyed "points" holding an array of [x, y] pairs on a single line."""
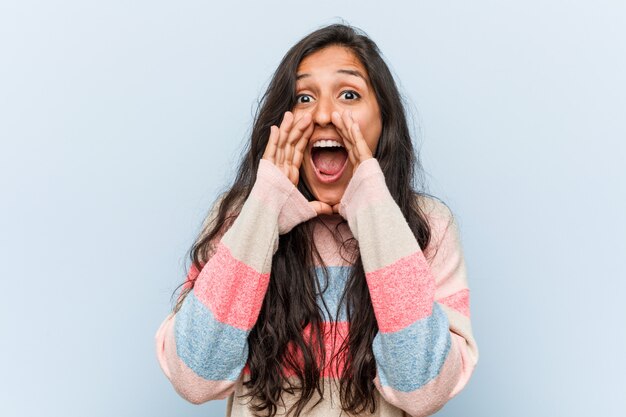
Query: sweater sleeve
{"points": [[424, 350], [203, 348]]}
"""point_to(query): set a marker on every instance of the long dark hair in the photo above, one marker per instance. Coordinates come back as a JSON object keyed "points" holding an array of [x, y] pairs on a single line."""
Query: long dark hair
{"points": [[287, 308]]}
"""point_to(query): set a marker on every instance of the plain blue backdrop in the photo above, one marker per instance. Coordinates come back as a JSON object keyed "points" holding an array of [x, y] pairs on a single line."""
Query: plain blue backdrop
{"points": [[120, 121]]}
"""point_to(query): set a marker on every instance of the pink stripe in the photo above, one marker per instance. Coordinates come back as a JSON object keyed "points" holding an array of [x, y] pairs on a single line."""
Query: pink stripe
{"points": [[458, 301], [231, 289], [402, 292], [191, 276], [333, 334]]}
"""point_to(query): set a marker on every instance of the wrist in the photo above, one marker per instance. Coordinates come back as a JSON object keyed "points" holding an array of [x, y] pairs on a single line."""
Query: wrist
{"points": [[367, 186], [281, 195]]}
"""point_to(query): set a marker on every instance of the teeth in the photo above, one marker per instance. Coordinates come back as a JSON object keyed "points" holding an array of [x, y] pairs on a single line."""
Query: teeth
{"points": [[327, 144]]}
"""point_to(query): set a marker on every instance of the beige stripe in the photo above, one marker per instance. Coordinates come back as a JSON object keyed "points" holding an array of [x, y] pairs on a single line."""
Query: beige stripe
{"points": [[253, 237], [384, 235], [330, 406], [462, 325]]}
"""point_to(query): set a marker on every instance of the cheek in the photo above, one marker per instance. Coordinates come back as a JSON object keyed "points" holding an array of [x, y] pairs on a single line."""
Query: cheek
{"points": [[369, 124], [372, 142], [371, 132]]}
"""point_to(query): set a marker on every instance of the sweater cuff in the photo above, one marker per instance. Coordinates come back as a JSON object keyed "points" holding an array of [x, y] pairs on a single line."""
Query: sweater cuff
{"points": [[292, 206], [367, 186]]}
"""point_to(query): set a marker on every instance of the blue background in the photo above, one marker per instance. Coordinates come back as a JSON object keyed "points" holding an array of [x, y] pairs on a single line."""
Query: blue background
{"points": [[120, 121]]}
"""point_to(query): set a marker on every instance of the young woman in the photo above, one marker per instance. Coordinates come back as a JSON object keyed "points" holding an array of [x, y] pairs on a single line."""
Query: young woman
{"points": [[323, 282]]}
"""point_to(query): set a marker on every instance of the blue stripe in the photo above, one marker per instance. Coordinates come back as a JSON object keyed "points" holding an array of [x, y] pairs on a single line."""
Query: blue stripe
{"points": [[409, 358], [337, 279], [213, 350]]}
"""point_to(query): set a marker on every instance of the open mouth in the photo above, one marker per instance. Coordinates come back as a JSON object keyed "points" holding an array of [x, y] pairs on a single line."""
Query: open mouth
{"points": [[329, 162]]}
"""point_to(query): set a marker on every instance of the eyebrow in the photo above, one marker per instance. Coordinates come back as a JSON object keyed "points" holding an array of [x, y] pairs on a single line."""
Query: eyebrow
{"points": [[341, 71]]}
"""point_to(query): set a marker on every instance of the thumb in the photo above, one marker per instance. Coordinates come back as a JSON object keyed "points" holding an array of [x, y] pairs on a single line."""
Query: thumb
{"points": [[321, 208]]}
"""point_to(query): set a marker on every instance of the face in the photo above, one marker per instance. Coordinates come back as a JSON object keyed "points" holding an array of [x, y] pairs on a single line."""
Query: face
{"points": [[333, 79]]}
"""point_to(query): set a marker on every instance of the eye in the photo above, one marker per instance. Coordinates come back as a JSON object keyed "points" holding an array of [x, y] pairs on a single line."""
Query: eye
{"points": [[351, 94], [306, 98]]}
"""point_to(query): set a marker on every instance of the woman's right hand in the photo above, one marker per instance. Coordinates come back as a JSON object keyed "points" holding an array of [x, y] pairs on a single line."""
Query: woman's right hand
{"points": [[285, 149]]}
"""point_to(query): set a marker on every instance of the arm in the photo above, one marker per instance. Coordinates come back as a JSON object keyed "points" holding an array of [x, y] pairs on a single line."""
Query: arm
{"points": [[203, 348], [425, 351]]}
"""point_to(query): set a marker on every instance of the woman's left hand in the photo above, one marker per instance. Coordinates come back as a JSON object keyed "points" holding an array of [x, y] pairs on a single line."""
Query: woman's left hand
{"points": [[353, 140]]}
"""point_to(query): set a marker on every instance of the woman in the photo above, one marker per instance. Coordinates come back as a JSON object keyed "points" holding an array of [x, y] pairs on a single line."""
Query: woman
{"points": [[309, 291]]}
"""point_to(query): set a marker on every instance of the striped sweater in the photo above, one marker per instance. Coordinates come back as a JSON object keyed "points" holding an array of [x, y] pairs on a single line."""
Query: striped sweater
{"points": [[424, 350]]}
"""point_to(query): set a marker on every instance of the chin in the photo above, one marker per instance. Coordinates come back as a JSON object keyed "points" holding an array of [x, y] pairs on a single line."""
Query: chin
{"points": [[329, 197], [329, 194]]}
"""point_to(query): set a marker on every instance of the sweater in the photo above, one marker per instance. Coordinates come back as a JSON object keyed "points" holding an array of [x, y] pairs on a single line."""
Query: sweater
{"points": [[424, 350]]}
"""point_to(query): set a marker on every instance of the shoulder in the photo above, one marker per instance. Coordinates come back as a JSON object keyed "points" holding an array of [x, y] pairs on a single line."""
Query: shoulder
{"points": [[234, 206], [212, 214], [444, 252], [441, 220], [437, 212]]}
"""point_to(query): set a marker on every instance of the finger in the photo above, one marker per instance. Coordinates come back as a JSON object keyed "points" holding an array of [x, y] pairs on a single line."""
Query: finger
{"points": [[299, 127], [321, 208], [347, 140], [346, 118], [352, 155], [285, 127], [270, 148], [287, 171], [348, 121], [296, 133], [364, 150], [294, 175], [336, 208], [301, 145], [339, 124]]}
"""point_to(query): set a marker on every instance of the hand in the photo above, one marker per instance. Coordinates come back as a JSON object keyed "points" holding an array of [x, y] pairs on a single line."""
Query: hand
{"points": [[353, 140], [285, 149]]}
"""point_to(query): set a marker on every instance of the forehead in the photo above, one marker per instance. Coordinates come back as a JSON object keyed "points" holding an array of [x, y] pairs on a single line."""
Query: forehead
{"points": [[330, 59]]}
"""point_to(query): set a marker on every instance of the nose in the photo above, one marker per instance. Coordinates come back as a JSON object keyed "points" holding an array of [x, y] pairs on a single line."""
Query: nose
{"points": [[323, 110]]}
